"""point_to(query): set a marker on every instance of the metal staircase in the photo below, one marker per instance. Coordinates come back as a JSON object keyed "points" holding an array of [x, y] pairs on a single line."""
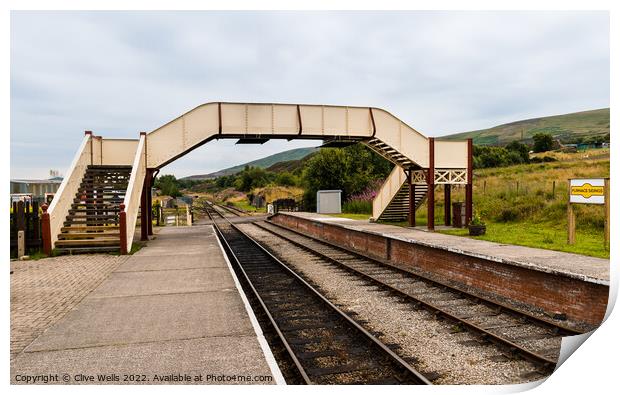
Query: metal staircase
{"points": [[92, 224], [392, 201], [389, 153], [398, 208]]}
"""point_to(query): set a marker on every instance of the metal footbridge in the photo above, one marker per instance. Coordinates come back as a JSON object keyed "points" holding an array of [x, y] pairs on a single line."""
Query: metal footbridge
{"points": [[91, 206]]}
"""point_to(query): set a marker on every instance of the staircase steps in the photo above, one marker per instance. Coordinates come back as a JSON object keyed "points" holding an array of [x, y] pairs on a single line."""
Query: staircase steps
{"points": [[398, 208], [94, 210], [389, 153], [98, 198], [66, 229], [91, 225], [88, 235]]}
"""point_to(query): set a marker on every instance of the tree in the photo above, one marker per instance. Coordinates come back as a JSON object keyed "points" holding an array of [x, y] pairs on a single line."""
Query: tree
{"points": [[521, 149], [351, 169], [252, 177], [168, 185], [543, 142], [285, 179]]}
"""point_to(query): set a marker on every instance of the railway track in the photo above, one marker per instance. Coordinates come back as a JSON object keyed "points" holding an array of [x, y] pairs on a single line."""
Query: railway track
{"points": [[518, 333], [324, 344], [232, 210]]}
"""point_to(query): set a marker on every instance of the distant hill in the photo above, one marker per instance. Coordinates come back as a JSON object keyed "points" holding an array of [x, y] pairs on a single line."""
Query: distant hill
{"points": [[286, 156], [290, 165], [563, 127]]}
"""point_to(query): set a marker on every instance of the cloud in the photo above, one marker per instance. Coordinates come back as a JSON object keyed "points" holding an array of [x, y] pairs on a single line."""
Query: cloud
{"points": [[119, 73]]}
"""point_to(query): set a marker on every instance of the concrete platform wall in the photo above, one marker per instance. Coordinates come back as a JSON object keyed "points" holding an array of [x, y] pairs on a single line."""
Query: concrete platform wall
{"points": [[581, 301]]}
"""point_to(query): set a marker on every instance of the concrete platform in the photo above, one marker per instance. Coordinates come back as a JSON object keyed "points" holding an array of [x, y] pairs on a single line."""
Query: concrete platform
{"points": [[170, 312], [555, 282]]}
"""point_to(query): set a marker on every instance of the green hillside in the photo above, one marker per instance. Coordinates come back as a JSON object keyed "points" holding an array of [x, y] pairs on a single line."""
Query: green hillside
{"points": [[290, 166], [286, 156], [563, 127]]}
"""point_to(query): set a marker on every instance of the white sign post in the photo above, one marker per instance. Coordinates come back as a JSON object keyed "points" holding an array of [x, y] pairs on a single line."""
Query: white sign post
{"points": [[587, 191]]}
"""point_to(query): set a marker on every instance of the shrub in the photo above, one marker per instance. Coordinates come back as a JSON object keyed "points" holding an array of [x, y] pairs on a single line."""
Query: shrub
{"points": [[357, 207], [509, 214]]}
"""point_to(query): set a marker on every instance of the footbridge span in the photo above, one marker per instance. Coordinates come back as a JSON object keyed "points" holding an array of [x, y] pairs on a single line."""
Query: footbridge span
{"points": [[98, 203]]}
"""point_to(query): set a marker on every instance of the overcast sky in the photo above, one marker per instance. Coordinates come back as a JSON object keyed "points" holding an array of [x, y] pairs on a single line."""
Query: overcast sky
{"points": [[119, 73]]}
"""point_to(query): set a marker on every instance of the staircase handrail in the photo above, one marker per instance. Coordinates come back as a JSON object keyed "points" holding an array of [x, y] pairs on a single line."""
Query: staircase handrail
{"points": [[132, 195], [388, 190], [63, 198]]}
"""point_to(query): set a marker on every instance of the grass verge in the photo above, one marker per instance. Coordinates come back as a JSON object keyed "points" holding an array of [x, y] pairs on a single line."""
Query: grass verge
{"points": [[540, 235]]}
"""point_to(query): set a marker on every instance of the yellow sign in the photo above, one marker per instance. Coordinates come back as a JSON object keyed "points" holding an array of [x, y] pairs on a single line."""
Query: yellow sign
{"points": [[587, 190]]}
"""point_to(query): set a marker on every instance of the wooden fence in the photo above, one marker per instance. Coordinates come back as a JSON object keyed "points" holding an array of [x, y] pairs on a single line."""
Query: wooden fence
{"points": [[26, 217], [287, 205]]}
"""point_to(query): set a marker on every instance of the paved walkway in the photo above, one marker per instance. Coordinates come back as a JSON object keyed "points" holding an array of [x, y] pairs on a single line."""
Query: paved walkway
{"points": [[171, 313], [585, 268], [43, 291]]}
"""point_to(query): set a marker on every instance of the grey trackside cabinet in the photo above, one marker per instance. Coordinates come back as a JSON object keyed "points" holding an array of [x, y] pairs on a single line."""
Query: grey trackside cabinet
{"points": [[328, 202]]}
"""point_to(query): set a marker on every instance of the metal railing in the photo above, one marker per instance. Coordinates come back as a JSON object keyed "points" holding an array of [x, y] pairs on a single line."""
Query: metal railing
{"points": [[131, 204], [59, 208], [388, 190]]}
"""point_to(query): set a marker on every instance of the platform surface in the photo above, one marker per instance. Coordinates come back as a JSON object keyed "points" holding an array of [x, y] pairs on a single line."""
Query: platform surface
{"points": [[585, 268], [172, 310]]}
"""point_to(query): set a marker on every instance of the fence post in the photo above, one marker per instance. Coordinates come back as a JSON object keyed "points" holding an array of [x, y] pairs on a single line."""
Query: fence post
{"points": [[21, 244], [46, 233], [607, 213], [123, 229]]}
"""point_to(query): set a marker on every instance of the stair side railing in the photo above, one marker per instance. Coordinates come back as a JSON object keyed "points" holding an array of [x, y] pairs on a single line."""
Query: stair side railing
{"points": [[131, 203], [58, 209], [388, 190]]}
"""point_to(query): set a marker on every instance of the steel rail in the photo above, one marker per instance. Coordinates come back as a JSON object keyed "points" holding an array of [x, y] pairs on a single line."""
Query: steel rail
{"points": [[518, 313], [232, 210], [515, 348], [417, 377]]}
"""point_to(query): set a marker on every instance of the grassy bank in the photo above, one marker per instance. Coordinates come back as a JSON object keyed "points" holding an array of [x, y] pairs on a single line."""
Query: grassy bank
{"points": [[520, 204]]}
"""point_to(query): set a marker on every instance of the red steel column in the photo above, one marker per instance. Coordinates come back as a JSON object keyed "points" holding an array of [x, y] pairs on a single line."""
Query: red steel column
{"points": [[149, 201], [144, 217], [447, 204], [469, 202], [123, 229], [430, 182], [411, 199], [46, 233]]}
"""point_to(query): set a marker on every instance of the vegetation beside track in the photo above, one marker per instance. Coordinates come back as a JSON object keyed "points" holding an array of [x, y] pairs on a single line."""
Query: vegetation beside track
{"points": [[519, 206]]}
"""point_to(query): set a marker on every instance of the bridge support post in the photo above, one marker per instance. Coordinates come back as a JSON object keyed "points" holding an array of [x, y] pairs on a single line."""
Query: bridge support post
{"points": [[469, 190], [411, 199], [430, 182], [144, 209], [123, 229], [447, 189], [149, 201]]}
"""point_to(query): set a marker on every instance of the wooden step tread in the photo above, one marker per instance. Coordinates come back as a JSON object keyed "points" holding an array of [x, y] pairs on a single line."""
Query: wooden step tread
{"points": [[89, 242], [94, 228], [91, 222], [94, 209], [89, 236]]}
